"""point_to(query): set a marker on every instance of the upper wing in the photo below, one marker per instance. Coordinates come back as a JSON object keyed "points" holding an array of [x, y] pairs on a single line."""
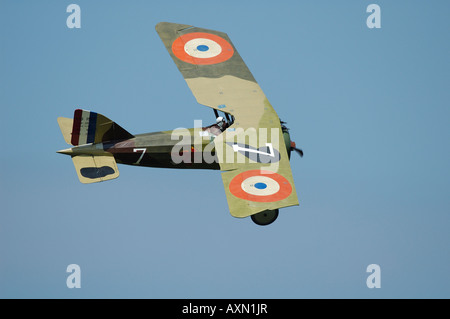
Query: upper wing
{"points": [[252, 150], [214, 70]]}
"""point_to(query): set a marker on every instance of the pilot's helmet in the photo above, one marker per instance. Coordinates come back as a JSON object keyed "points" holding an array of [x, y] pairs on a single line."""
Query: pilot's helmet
{"points": [[220, 119]]}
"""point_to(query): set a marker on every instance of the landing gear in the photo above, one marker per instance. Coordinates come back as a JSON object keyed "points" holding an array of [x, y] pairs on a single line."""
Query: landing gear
{"points": [[265, 217]]}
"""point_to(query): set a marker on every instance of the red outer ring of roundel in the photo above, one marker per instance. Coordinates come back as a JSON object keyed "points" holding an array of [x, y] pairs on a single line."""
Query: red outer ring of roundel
{"points": [[178, 48], [236, 189]]}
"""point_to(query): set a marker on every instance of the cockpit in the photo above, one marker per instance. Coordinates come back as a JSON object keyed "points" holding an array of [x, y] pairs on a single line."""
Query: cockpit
{"points": [[222, 123]]}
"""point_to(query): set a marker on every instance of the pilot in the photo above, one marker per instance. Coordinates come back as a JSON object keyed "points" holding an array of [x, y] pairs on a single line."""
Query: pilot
{"points": [[221, 123]]}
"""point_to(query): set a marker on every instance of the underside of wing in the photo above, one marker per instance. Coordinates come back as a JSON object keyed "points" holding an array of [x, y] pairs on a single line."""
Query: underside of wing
{"points": [[214, 71], [252, 151], [257, 173], [250, 191]]}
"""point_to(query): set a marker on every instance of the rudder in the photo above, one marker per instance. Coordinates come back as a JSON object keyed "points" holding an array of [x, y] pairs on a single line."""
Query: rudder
{"points": [[91, 127]]}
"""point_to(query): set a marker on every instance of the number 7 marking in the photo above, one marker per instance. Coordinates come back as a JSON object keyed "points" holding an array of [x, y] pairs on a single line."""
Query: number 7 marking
{"points": [[142, 155]]}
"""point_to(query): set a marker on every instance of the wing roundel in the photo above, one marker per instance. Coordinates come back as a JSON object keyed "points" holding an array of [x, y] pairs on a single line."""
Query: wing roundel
{"points": [[212, 68], [201, 48]]}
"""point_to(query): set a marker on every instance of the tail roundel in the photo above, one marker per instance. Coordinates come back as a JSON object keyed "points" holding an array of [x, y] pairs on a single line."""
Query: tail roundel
{"points": [[90, 127]]}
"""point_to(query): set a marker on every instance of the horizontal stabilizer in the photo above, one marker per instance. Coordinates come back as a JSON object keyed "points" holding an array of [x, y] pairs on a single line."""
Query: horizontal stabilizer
{"points": [[93, 169]]}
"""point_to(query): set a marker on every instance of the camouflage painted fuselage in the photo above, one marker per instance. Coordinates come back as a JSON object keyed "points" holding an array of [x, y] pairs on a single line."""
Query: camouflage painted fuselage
{"points": [[159, 149]]}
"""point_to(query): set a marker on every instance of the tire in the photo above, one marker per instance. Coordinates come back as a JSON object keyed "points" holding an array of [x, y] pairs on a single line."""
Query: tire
{"points": [[265, 218]]}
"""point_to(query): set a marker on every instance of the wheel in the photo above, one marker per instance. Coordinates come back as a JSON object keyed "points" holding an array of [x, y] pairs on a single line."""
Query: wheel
{"points": [[266, 217]]}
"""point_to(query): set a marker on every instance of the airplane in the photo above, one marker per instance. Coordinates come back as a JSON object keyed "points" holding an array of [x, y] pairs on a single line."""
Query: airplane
{"points": [[249, 144]]}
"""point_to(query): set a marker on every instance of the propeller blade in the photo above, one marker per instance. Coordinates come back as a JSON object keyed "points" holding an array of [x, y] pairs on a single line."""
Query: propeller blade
{"points": [[294, 148], [299, 151]]}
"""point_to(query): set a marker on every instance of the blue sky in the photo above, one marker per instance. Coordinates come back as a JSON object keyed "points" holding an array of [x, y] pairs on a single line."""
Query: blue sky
{"points": [[369, 107]]}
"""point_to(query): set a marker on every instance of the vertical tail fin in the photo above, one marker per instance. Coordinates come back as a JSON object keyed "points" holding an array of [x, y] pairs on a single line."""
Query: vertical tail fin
{"points": [[91, 127], [66, 124]]}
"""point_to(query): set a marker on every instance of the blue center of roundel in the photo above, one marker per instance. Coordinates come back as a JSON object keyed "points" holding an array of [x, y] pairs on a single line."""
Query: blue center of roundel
{"points": [[202, 48], [260, 185]]}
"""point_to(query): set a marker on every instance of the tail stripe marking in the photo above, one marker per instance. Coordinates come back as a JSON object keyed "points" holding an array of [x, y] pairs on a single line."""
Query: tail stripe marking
{"points": [[84, 124], [92, 127], [76, 127]]}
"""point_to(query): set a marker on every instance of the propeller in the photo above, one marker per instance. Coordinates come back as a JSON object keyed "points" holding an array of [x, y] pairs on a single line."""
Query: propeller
{"points": [[293, 148]]}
